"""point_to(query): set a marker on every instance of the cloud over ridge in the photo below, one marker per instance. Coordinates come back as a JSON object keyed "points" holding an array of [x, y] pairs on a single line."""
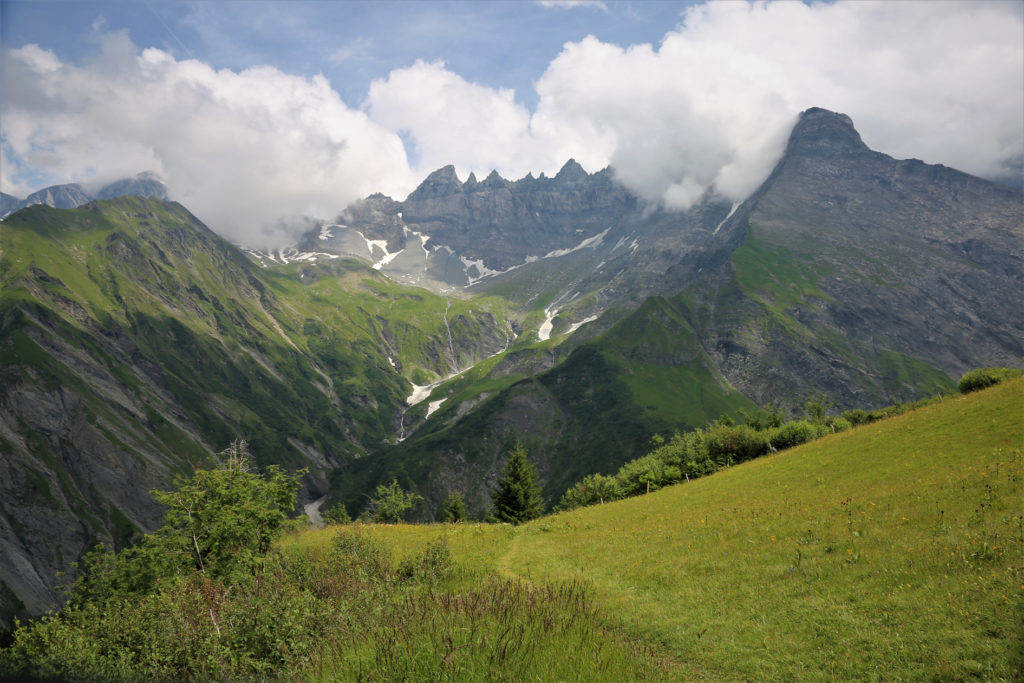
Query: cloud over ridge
{"points": [[707, 109], [247, 151]]}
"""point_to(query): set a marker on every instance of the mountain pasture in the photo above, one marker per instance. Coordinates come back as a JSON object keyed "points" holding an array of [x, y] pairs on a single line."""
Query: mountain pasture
{"points": [[891, 551]]}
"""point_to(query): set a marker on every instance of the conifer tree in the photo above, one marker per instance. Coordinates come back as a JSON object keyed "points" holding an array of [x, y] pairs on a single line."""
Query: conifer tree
{"points": [[454, 509], [517, 498]]}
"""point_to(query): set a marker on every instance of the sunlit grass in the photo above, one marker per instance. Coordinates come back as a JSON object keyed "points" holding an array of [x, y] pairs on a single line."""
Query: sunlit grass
{"points": [[891, 551]]}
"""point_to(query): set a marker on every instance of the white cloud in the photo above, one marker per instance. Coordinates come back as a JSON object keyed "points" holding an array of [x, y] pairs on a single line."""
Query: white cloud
{"points": [[710, 107], [245, 151], [453, 121]]}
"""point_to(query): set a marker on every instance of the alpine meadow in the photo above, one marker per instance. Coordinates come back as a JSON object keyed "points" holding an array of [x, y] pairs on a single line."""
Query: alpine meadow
{"points": [[511, 341]]}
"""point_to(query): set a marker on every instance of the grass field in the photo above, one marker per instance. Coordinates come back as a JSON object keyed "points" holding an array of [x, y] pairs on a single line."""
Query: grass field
{"points": [[892, 551]]}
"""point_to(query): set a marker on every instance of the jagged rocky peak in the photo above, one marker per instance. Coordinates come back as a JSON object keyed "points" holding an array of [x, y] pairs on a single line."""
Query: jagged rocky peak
{"points": [[571, 172], [820, 131], [494, 181], [440, 183]]}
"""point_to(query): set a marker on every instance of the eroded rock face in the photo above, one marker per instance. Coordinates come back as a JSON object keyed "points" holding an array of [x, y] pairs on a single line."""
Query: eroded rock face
{"points": [[503, 222], [849, 273], [893, 260]]}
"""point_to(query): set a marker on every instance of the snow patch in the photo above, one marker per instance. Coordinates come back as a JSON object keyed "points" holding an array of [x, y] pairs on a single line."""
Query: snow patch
{"points": [[419, 393], [386, 260], [287, 255], [544, 331], [735, 205], [433, 406], [312, 510], [590, 242], [382, 245], [576, 326]]}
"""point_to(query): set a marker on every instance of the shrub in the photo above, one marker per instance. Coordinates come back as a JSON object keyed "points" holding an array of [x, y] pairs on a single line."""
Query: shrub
{"points": [[336, 514], [858, 417], [434, 564], [838, 424], [795, 433], [359, 556], [391, 502], [986, 377], [735, 444], [593, 489]]}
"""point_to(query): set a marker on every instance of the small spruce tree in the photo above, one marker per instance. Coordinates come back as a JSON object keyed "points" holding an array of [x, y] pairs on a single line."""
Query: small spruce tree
{"points": [[454, 509], [517, 498]]}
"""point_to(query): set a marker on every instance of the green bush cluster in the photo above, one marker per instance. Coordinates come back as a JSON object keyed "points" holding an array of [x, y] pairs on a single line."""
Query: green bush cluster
{"points": [[698, 453], [985, 377]]}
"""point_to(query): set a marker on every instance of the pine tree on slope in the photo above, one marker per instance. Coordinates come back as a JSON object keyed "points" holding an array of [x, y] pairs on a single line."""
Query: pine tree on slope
{"points": [[517, 498]]}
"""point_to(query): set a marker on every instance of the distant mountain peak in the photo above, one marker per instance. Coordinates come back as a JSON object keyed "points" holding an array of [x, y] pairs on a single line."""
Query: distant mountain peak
{"points": [[494, 180], [820, 131], [571, 171], [440, 183]]}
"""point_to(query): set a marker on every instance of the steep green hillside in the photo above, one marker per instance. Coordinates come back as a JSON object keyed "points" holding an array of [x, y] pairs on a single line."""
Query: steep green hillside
{"points": [[889, 551], [136, 342], [594, 410]]}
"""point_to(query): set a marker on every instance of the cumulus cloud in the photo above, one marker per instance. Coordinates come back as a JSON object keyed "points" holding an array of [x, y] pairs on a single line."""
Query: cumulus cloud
{"points": [[449, 120], [710, 108], [247, 152], [707, 109]]}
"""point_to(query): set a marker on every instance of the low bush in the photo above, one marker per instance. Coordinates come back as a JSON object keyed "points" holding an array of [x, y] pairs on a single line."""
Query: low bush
{"points": [[985, 377], [795, 433]]}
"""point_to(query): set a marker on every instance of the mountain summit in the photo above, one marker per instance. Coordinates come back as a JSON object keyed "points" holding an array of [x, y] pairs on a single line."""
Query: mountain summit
{"points": [[70, 196], [826, 133]]}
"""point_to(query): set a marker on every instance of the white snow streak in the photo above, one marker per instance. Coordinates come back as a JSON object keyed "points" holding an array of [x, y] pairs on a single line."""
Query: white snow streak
{"points": [[735, 205], [576, 326], [544, 331], [433, 406], [590, 242]]}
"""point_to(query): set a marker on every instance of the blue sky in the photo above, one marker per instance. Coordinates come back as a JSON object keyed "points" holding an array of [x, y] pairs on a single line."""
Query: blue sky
{"points": [[258, 112], [502, 44]]}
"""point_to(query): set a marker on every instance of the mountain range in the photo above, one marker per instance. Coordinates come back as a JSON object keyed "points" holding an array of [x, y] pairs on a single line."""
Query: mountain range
{"points": [[418, 340], [72, 195]]}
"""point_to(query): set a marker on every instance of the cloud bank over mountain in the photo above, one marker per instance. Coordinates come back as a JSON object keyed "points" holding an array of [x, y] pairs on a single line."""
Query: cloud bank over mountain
{"points": [[709, 108]]}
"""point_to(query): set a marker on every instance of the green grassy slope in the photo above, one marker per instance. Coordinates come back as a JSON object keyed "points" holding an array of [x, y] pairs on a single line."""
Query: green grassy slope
{"points": [[596, 409], [135, 342], [890, 551]]}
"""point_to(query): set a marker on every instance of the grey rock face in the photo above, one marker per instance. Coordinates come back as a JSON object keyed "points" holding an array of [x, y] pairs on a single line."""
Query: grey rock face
{"points": [[914, 260]]}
